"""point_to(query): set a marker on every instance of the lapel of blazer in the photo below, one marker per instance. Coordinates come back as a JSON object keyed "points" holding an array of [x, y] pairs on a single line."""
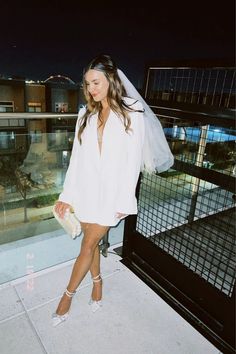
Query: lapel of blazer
{"points": [[94, 139]]}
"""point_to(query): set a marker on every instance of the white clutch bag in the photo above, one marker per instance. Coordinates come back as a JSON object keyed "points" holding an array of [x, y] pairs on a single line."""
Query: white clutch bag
{"points": [[70, 223]]}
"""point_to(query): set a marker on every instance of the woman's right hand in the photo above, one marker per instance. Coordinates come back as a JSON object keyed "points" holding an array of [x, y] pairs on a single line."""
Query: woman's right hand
{"points": [[61, 208]]}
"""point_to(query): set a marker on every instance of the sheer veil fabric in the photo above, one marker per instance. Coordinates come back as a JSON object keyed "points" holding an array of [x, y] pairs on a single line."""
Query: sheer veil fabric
{"points": [[157, 155]]}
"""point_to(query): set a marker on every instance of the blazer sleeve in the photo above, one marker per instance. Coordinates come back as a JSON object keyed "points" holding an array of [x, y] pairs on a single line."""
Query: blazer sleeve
{"points": [[127, 202], [70, 179]]}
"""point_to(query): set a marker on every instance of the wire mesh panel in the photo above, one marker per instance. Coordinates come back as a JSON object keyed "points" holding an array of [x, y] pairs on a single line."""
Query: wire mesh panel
{"points": [[206, 245], [182, 242], [192, 218], [210, 86]]}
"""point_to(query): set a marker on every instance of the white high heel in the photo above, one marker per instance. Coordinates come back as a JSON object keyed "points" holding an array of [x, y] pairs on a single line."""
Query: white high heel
{"points": [[96, 304], [57, 319]]}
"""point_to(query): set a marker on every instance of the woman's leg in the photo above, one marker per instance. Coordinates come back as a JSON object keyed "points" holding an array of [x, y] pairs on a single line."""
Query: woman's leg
{"points": [[95, 266], [93, 233], [95, 271]]}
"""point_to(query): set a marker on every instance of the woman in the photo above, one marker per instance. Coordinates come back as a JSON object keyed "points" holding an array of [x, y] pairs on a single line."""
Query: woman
{"points": [[106, 160]]}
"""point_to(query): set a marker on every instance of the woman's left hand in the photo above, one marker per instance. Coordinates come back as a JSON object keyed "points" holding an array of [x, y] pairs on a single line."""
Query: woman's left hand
{"points": [[121, 215]]}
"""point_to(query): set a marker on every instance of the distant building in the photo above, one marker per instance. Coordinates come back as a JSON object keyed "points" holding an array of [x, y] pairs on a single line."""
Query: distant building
{"points": [[57, 94], [12, 95], [26, 139], [62, 94], [35, 99]]}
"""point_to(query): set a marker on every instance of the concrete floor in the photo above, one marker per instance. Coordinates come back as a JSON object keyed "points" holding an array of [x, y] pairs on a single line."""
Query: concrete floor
{"points": [[133, 319]]}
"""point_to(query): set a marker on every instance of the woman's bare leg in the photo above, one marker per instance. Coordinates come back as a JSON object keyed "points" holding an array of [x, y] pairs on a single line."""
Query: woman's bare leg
{"points": [[93, 233], [95, 271], [95, 266]]}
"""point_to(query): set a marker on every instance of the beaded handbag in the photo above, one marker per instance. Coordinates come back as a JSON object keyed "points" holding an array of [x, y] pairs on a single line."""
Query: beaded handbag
{"points": [[70, 223]]}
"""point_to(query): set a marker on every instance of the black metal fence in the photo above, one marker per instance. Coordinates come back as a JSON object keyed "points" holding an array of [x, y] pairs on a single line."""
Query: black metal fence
{"points": [[192, 218], [182, 243]]}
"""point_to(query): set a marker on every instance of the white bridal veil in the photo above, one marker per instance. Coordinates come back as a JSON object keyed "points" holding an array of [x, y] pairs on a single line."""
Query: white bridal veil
{"points": [[156, 152]]}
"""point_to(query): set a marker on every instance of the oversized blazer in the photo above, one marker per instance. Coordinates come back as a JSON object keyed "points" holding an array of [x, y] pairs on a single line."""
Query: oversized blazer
{"points": [[98, 186]]}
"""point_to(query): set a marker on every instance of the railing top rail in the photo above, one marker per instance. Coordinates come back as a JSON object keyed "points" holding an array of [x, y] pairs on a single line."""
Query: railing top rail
{"points": [[192, 67], [28, 115], [191, 63], [196, 113], [194, 108]]}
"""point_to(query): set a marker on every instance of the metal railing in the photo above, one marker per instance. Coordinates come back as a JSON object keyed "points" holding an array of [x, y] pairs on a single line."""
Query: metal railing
{"points": [[182, 242], [188, 211], [208, 86]]}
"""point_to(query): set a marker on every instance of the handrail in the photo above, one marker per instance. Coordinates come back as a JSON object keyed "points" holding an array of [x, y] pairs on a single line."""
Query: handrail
{"points": [[27, 115], [194, 112], [205, 85], [190, 67]]}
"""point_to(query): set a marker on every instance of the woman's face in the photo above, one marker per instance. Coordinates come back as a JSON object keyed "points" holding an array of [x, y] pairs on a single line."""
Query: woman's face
{"points": [[97, 84]]}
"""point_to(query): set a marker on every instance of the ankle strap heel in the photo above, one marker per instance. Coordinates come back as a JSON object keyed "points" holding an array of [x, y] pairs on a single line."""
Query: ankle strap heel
{"points": [[96, 304], [97, 279], [57, 319], [70, 294]]}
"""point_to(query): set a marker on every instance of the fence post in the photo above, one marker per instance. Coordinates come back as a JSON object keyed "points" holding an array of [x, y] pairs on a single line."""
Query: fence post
{"points": [[196, 180]]}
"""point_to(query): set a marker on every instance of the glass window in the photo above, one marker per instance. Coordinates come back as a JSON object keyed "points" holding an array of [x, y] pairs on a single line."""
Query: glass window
{"points": [[34, 107], [6, 106], [7, 140], [36, 136], [61, 107]]}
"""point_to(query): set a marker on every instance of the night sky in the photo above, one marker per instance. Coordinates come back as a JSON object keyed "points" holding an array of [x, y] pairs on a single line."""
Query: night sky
{"points": [[59, 37]]}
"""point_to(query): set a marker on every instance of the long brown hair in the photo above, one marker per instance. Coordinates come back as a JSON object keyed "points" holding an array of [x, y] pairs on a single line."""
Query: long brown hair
{"points": [[116, 92]]}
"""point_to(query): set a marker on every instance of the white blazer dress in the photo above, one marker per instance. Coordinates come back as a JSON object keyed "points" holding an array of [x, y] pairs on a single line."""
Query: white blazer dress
{"points": [[98, 186]]}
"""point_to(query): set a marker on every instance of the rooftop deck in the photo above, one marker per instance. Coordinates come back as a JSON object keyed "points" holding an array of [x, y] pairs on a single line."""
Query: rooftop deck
{"points": [[133, 320]]}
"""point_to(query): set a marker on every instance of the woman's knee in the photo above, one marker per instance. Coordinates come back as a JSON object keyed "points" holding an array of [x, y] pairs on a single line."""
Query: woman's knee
{"points": [[92, 236], [87, 248]]}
